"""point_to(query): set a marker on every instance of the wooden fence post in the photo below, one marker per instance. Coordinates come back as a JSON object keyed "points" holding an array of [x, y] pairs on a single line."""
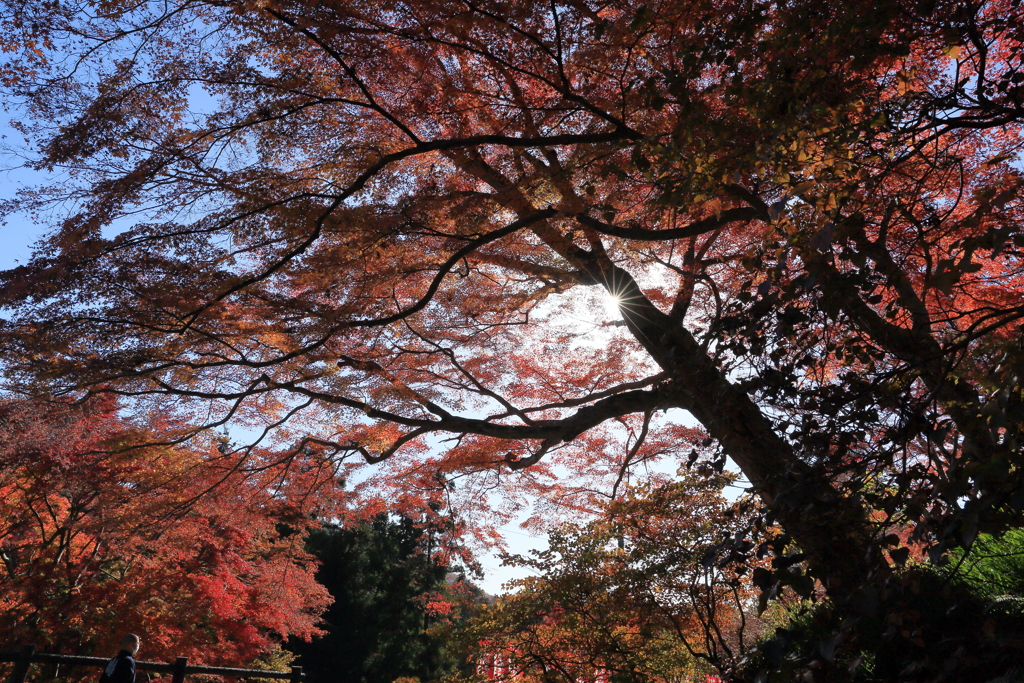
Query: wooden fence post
{"points": [[296, 674], [20, 672], [179, 670]]}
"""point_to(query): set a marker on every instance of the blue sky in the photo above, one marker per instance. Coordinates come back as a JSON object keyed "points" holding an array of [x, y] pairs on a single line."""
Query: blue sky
{"points": [[18, 233]]}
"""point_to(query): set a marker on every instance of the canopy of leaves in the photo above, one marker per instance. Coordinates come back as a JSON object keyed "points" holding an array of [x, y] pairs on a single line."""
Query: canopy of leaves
{"points": [[376, 225]]}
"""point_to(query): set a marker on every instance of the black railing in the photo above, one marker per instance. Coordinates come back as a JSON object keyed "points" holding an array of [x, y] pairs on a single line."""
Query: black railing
{"points": [[178, 670]]}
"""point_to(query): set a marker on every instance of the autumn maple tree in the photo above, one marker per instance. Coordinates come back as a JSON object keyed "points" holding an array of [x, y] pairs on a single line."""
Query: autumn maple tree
{"points": [[94, 544], [385, 231], [636, 594]]}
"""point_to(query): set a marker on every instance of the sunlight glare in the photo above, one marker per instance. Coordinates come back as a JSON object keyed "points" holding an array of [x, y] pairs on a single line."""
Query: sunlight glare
{"points": [[611, 306]]}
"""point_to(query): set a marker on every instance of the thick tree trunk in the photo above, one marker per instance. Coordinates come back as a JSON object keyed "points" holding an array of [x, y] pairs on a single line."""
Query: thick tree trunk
{"points": [[830, 529]]}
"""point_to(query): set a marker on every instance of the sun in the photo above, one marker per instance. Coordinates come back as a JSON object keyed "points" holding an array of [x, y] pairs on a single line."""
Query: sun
{"points": [[611, 306]]}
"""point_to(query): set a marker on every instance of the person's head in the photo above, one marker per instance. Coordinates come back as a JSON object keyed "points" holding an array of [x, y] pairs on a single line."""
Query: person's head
{"points": [[131, 643]]}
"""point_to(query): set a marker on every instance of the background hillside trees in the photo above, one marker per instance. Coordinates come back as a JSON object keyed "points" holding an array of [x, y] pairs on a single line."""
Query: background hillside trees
{"points": [[361, 221]]}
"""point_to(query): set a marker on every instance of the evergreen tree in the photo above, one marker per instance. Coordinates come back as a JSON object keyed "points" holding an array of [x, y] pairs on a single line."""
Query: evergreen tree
{"points": [[380, 575]]}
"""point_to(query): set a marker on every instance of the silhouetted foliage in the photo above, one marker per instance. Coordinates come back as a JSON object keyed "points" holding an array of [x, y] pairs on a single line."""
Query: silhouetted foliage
{"points": [[963, 621]]}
